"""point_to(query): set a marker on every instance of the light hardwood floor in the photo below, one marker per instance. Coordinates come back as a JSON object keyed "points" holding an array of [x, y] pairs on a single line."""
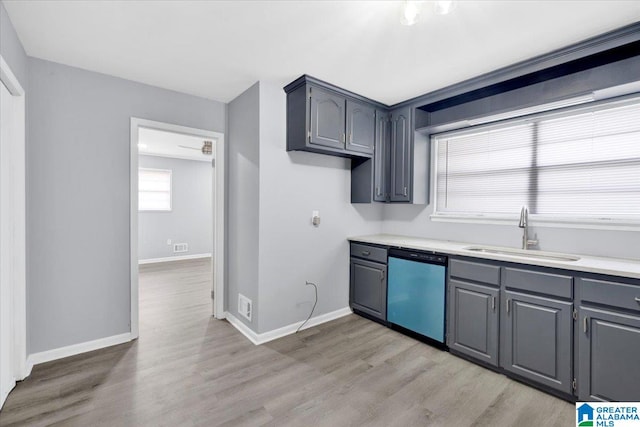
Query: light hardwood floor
{"points": [[190, 369]]}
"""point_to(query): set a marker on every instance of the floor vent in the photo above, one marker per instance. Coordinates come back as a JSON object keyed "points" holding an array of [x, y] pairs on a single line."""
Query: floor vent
{"points": [[180, 247]]}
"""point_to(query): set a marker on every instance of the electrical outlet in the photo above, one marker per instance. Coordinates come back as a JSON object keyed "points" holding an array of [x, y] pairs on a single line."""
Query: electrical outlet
{"points": [[169, 242], [180, 247]]}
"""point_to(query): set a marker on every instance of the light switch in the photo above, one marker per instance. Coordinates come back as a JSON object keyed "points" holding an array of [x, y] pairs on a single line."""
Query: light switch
{"points": [[315, 218]]}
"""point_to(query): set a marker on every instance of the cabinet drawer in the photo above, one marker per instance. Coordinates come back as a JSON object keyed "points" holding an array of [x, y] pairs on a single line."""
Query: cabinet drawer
{"points": [[615, 294], [372, 253], [536, 281], [475, 271]]}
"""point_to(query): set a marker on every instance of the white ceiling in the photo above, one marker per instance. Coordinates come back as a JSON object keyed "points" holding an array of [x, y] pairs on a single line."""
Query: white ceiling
{"points": [[218, 49], [168, 144]]}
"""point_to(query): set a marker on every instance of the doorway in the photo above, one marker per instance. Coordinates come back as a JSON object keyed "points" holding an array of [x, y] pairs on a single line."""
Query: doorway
{"points": [[13, 354], [166, 150]]}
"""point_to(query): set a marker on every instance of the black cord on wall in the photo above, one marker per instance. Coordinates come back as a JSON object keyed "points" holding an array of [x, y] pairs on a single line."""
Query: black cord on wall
{"points": [[312, 308]]}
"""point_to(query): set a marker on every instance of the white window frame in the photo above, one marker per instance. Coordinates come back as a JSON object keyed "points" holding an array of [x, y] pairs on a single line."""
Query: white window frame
{"points": [[170, 173], [628, 223]]}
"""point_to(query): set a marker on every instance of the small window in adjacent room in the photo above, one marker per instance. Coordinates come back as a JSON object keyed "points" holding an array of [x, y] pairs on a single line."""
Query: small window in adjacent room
{"points": [[578, 165], [154, 189]]}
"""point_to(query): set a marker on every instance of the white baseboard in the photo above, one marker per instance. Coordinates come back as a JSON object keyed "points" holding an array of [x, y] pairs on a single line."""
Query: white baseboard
{"points": [[28, 367], [72, 350], [5, 394], [265, 337], [244, 329], [173, 258]]}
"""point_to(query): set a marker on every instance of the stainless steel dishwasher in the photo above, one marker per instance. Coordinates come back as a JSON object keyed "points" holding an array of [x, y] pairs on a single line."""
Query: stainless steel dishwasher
{"points": [[416, 293]]}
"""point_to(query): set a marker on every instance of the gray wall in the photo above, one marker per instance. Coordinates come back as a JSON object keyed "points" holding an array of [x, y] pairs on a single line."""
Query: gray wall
{"points": [[11, 48], [273, 248], [243, 196], [78, 196], [190, 219], [292, 250]]}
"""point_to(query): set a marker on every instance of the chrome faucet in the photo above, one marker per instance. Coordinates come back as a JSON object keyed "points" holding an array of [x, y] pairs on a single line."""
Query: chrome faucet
{"points": [[524, 224]]}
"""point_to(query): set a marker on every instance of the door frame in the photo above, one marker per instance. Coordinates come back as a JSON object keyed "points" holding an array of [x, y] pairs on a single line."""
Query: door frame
{"points": [[218, 184], [17, 223]]}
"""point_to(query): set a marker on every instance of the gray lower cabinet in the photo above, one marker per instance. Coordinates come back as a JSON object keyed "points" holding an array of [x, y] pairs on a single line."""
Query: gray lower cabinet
{"points": [[608, 340], [536, 338], [368, 280], [609, 345], [473, 320]]}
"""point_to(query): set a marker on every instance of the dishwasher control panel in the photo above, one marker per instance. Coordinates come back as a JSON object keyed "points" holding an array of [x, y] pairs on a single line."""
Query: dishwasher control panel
{"points": [[431, 258]]}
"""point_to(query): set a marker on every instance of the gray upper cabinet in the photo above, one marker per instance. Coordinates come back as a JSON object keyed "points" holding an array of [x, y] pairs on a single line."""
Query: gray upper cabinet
{"points": [[401, 155], [537, 339], [361, 127], [382, 157], [327, 121], [608, 340]]}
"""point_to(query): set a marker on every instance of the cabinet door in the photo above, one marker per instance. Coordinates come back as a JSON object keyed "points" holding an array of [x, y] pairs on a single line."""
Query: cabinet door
{"points": [[326, 118], [537, 339], [368, 288], [401, 144], [382, 166], [361, 127], [609, 355], [473, 320]]}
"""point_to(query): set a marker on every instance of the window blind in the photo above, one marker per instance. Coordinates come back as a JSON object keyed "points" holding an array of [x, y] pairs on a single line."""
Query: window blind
{"points": [[582, 163], [154, 189]]}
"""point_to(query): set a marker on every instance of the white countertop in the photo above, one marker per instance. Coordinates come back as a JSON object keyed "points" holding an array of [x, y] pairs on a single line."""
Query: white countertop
{"points": [[590, 264]]}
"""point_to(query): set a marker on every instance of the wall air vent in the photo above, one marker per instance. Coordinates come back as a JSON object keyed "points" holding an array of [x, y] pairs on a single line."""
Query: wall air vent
{"points": [[245, 307]]}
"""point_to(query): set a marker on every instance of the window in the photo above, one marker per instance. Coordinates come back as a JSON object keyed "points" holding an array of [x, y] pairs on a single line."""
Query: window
{"points": [[578, 165], [154, 189]]}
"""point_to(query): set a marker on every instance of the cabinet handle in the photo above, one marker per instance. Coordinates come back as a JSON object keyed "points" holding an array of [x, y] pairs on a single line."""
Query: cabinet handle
{"points": [[350, 138], [508, 305], [366, 253], [637, 299], [404, 193], [343, 137], [381, 275], [493, 303], [585, 324], [378, 192]]}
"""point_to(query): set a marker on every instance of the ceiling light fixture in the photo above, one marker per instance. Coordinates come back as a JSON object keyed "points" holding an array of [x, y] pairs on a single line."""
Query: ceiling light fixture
{"points": [[409, 13], [444, 7], [410, 10]]}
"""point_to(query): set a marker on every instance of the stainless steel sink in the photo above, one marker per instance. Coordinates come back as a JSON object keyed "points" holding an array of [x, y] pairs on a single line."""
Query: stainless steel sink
{"points": [[523, 253]]}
